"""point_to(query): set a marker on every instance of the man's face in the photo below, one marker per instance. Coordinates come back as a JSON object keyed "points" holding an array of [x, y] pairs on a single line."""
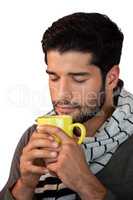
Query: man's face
{"points": [[76, 86]]}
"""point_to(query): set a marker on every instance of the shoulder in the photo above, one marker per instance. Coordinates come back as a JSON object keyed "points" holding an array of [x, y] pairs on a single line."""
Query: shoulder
{"points": [[25, 138], [117, 175], [27, 134], [120, 165]]}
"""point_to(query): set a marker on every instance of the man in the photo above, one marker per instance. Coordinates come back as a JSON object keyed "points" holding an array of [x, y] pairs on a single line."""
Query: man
{"points": [[82, 52]]}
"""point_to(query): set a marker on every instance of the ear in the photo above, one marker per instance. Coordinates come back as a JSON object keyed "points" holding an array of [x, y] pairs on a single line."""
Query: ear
{"points": [[112, 77]]}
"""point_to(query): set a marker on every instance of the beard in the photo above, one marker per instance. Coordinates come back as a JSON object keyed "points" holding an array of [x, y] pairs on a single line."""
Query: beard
{"points": [[84, 112]]}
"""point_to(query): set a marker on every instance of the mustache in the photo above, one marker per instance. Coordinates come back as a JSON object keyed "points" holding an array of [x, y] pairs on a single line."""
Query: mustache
{"points": [[66, 103]]}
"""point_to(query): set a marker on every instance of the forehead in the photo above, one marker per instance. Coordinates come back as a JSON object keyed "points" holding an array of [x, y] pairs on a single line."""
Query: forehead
{"points": [[70, 61]]}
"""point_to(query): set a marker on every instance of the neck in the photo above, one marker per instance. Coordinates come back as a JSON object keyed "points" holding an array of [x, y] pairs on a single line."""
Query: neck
{"points": [[106, 111], [96, 122]]}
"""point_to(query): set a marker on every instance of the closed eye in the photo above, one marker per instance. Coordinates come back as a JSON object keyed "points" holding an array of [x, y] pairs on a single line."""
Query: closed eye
{"points": [[53, 77], [79, 79]]}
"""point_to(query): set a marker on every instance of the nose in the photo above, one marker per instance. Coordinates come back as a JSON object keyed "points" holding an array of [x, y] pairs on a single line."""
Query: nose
{"points": [[65, 89]]}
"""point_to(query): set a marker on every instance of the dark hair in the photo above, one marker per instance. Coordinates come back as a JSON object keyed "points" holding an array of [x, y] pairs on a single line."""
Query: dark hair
{"points": [[86, 32]]}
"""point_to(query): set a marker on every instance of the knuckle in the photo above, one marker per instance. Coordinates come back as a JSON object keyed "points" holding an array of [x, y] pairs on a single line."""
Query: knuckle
{"points": [[57, 129], [27, 168], [34, 135], [24, 150], [64, 156], [55, 168], [58, 168], [21, 160], [35, 153], [23, 167], [72, 143], [46, 142]]}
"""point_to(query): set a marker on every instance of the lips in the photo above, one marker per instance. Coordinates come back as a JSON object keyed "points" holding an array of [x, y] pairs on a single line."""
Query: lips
{"points": [[65, 109]]}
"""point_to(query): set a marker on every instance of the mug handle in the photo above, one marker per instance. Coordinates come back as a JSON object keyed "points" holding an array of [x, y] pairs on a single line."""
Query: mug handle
{"points": [[82, 129]]}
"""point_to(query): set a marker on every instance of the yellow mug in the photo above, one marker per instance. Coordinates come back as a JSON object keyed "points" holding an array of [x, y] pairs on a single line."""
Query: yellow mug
{"points": [[65, 123]]}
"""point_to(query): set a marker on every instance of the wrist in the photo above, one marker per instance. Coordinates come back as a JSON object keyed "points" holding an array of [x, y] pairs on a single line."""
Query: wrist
{"points": [[21, 192], [91, 188], [93, 195]]}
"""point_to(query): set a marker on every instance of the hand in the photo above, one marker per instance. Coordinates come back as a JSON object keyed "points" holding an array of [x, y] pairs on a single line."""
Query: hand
{"points": [[71, 163], [42, 147], [71, 167]]}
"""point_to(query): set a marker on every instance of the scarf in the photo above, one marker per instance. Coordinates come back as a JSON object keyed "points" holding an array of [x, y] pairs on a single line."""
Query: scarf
{"points": [[98, 149], [116, 129]]}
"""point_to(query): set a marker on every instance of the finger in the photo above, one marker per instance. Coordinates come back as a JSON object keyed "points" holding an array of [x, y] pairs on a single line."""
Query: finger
{"points": [[41, 143], [38, 153], [37, 169], [37, 135], [50, 160], [53, 130], [42, 130]]}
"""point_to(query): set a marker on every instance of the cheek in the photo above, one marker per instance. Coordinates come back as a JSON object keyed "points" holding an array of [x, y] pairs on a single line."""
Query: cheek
{"points": [[81, 93], [90, 93], [53, 91]]}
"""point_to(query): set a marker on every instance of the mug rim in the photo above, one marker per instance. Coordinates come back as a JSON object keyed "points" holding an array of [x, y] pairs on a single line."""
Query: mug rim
{"points": [[55, 116]]}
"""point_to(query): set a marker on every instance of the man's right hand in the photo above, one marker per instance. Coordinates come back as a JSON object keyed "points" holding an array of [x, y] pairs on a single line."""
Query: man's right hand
{"points": [[40, 146]]}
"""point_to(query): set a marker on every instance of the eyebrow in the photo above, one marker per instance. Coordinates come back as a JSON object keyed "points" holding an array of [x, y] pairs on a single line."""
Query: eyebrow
{"points": [[71, 73]]}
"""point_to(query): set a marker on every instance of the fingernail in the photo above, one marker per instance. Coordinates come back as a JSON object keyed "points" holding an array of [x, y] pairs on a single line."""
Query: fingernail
{"points": [[46, 170], [39, 128], [54, 144], [53, 154], [51, 138]]}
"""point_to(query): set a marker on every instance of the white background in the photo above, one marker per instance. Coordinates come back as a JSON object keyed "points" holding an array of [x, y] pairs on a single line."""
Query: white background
{"points": [[23, 84]]}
